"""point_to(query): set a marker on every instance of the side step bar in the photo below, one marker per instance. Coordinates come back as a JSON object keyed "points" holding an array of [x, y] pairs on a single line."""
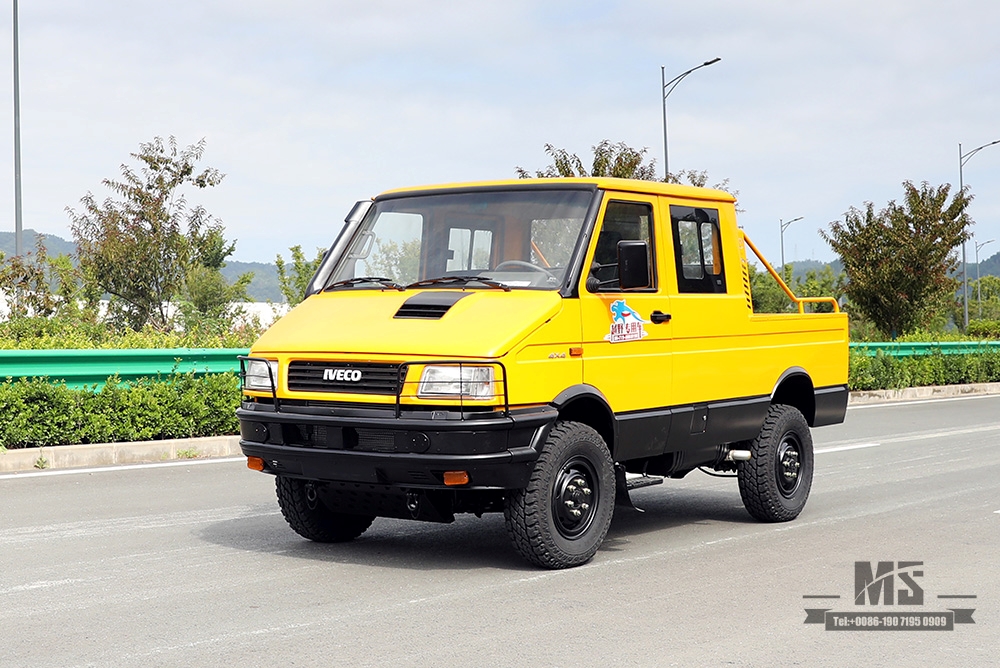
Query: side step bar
{"points": [[624, 485]]}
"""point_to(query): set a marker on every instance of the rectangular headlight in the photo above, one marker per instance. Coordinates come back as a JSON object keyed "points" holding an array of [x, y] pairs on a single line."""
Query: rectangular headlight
{"points": [[467, 382], [257, 376]]}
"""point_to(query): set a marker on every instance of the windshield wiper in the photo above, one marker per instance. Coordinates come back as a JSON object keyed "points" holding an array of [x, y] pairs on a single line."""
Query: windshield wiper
{"points": [[455, 280], [350, 282]]}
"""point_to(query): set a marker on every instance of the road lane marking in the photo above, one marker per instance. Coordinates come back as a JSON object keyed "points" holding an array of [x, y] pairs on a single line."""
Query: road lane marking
{"points": [[913, 402], [925, 435], [842, 448], [122, 467], [130, 524]]}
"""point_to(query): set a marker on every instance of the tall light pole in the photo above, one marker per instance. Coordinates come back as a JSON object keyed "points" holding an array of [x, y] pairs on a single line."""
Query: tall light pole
{"points": [[979, 285], [962, 159], [666, 88], [783, 227], [18, 244]]}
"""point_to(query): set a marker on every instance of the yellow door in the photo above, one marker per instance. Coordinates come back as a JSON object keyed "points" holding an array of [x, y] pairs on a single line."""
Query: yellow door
{"points": [[627, 334]]}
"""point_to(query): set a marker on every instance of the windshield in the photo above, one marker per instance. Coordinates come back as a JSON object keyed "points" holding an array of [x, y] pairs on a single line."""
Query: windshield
{"points": [[519, 239]]}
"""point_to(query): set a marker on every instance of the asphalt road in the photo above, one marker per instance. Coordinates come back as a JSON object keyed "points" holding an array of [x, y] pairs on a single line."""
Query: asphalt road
{"points": [[192, 565]]}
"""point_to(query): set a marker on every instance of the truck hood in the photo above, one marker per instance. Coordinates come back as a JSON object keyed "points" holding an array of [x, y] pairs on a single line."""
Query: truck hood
{"points": [[435, 323]]}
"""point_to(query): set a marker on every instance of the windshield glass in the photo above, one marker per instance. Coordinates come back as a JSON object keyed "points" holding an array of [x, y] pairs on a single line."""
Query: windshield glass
{"points": [[522, 239]]}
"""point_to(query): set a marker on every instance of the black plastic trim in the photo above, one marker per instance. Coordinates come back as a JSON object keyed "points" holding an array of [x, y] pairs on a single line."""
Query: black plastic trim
{"points": [[429, 305], [497, 452], [831, 405], [571, 286]]}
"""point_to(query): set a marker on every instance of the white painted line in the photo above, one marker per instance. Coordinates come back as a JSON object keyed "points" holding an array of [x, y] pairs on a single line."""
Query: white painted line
{"points": [[996, 512], [842, 448], [914, 402], [123, 467]]}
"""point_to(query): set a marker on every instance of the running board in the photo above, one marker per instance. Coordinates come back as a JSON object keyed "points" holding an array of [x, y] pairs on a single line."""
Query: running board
{"points": [[624, 485]]}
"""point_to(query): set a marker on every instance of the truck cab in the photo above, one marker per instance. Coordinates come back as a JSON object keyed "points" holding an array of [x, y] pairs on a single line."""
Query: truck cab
{"points": [[536, 347]]}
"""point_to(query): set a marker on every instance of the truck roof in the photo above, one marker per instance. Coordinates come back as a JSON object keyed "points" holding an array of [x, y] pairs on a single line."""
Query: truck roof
{"points": [[602, 182]]}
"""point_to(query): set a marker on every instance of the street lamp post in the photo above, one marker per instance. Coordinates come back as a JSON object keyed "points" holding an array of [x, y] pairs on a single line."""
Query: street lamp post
{"points": [[979, 285], [783, 227], [666, 88], [962, 159], [18, 243]]}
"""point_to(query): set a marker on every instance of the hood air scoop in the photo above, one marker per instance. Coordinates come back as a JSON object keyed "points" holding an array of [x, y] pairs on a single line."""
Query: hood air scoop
{"points": [[429, 305]]}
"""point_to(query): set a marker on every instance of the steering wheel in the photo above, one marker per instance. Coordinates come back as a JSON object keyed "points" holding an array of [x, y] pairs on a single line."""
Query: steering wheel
{"points": [[525, 265]]}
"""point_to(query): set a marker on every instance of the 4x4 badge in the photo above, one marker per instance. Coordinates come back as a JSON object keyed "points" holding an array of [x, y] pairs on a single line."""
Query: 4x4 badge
{"points": [[626, 324]]}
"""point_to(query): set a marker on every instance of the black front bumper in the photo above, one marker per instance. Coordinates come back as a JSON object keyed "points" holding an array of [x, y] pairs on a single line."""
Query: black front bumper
{"points": [[400, 450]]}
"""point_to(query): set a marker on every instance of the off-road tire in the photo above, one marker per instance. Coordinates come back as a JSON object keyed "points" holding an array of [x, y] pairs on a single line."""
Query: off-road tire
{"points": [[304, 510], [573, 474], [770, 491]]}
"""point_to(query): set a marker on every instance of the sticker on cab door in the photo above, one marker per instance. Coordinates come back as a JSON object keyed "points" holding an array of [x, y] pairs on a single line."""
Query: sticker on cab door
{"points": [[626, 324]]}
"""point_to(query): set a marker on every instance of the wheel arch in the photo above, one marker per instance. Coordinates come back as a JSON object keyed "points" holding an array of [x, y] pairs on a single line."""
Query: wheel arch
{"points": [[586, 404], [795, 388]]}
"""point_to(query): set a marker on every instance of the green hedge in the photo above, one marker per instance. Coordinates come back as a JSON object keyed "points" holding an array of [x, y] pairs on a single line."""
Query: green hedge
{"points": [[884, 372], [37, 412]]}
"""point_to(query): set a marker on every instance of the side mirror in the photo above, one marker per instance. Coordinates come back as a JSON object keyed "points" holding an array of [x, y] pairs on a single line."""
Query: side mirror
{"points": [[633, 265]]}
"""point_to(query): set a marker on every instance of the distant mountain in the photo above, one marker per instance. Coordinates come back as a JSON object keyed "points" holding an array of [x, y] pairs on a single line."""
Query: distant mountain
{"points": [[263, 287], [53, 245]]}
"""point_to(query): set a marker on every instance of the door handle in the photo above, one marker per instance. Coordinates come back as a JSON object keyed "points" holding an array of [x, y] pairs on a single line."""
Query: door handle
{"points": [[659, 316]]}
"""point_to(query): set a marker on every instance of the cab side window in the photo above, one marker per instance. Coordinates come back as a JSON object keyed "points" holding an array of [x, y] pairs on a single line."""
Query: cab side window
{"points": [[623, 221], [698, 249]]}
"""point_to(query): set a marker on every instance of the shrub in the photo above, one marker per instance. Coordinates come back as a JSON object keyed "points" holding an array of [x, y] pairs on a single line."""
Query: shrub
{"points": [[41, 413], [984, 329], [884, 372]]}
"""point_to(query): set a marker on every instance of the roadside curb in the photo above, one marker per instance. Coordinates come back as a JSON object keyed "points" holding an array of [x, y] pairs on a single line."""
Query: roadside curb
{"points": [[142, 452], [928, 392], [109, 454]]}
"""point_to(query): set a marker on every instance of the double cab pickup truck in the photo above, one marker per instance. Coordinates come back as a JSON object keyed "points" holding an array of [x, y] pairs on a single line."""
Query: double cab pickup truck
{"points": [[538, 348]]}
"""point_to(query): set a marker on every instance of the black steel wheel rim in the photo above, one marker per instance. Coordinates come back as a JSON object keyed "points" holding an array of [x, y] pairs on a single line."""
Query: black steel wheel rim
{"points": [[575, 497], [788, 465]]}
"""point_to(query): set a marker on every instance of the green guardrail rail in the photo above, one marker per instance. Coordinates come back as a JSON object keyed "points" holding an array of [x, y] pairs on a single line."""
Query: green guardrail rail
{"points": [[897, 349], [94, 366]]}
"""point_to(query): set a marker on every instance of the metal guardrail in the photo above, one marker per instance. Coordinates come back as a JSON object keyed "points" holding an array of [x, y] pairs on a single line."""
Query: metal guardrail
{"points": [[898, 349], [93, 367]]}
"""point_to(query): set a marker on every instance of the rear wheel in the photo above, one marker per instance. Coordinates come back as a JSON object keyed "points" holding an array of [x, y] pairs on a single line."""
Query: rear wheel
{"points": [[306, 513], [560, 519], [775, 481]]}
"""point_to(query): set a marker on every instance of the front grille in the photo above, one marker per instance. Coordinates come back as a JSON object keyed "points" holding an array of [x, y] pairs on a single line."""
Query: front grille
{"points": [[351, 377]]}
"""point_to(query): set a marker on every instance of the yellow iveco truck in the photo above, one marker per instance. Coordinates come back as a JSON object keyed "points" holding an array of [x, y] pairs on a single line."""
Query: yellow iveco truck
{"points": [[538, 348]]}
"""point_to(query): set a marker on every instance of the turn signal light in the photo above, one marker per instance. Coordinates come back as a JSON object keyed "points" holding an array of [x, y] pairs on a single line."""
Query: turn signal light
{"points": [[456, 478], [255, 463]]}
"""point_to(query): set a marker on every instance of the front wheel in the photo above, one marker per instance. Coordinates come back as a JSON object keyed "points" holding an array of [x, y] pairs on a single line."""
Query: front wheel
{"points": [[560, 519], [309, 517], [775, 481]]}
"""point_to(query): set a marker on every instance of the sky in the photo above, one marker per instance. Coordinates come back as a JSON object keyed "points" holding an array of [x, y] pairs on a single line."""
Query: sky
{"points": [[308, 106]]}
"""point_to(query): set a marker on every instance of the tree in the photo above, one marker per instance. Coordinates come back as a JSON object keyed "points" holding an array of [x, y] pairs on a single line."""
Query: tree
{"points": [[618, 160], [293, 283], [140, 247], [900, 260], [207, 299], [39, 285]]}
